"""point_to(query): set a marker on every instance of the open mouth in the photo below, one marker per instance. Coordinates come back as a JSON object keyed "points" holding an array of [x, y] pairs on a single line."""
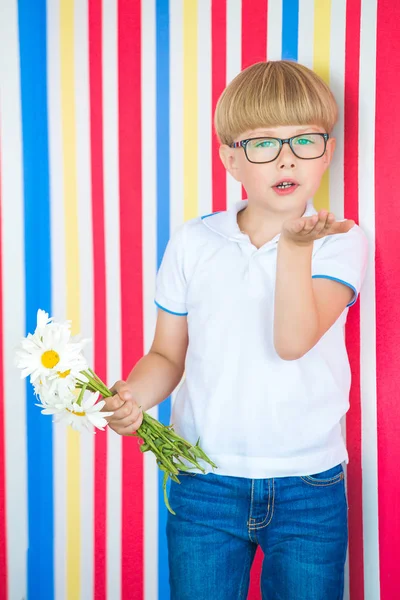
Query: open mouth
{"points": [[285, 185]]}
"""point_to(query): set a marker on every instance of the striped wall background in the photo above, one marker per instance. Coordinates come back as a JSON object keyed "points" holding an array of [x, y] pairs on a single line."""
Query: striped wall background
{"points": [[106, 146]]}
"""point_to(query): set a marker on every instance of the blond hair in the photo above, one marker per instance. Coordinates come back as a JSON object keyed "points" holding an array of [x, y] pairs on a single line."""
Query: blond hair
{"points": [[271, 94]]}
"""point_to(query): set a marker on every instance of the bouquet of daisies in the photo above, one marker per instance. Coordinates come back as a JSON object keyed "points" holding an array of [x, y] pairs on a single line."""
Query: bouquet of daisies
{"points": [[70, 391]]}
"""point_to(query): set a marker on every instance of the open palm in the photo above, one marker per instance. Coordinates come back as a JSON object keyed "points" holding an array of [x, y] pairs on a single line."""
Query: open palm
{"points": [[308, 229]]}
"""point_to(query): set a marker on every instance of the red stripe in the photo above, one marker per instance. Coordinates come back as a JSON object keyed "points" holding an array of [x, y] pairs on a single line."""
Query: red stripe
{"points": [[353, 419], [254, 35], [130, 141], [254, 31], [387, 219], [254, 49], [218, 84], [99, 283], [255, 575], [3, 523]]}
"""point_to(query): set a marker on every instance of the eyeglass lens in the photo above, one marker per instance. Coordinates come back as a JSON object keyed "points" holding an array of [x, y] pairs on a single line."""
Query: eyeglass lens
{"points": [[267, 149]]}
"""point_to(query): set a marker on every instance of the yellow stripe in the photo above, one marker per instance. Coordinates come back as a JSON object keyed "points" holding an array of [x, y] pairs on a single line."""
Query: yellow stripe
{"points": [[190, 117], [322, 35], [72, 280]]}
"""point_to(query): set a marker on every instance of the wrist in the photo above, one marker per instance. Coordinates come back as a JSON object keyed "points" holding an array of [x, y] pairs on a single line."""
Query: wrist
{"points": [[292, 244]]}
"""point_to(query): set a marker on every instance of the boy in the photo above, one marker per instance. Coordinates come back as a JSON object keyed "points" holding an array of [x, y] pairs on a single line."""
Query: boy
{"points": [[253, 303]]}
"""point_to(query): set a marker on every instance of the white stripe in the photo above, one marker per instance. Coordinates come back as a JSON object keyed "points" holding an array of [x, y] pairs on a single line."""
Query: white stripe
{"points": [[233, 38], [367, 300], [13, 301], [149, 223], [176, 121], [336, 178], [58, 288], [233, 67], [305, 53], [336, 82], [204, 120], [274, 33], [176, 113], [113, 288], [84, 194]]}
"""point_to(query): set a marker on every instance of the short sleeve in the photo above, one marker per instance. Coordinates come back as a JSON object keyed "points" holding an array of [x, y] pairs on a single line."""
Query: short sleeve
{"points": [[171, 282], [343, 257]]}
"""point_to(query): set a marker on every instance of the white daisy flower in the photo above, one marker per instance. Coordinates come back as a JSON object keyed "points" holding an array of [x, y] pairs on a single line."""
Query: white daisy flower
{"points": [[52, 355], [43, 322], [60, 384], [86, 415], [63, 381], [51, 395]]}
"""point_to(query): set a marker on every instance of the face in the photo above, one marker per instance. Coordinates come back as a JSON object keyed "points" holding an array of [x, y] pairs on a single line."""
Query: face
{"points": [[260, 180]]}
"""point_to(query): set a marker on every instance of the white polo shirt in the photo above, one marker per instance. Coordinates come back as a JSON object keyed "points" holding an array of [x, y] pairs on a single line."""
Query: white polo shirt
{"points": [[256, 414]]}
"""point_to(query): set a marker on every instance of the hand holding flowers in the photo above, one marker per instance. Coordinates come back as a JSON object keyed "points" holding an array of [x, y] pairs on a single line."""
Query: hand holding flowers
{"points": [[69, 390]]}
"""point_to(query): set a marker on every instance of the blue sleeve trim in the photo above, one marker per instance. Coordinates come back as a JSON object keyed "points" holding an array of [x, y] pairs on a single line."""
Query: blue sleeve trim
{"points": [[354, 300], [170, 311], [211, 214]]}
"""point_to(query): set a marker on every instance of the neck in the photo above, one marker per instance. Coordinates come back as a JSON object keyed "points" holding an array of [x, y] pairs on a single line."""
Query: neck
{"points": [[262, 224], [257, 218]]}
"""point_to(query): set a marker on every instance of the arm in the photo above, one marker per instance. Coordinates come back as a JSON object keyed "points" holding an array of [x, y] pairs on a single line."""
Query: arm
{"points": [[159, 372], [305, 308], [153, 378]]}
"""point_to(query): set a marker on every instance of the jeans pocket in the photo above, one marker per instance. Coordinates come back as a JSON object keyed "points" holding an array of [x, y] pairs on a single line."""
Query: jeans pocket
{"points": [[329, 477]]}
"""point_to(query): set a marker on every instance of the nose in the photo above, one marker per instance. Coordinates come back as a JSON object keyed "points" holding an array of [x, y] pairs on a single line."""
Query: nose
{"points": [[286, 159]]}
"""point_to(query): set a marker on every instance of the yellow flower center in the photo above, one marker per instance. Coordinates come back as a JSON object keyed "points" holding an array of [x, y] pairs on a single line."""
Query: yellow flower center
{"points": [[64, 374], [50, 358], [77, 414]]}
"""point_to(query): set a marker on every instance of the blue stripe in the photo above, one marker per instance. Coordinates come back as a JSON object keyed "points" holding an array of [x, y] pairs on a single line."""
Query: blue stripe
{"points": [[33, 73], [163, 234], [290, 29], [354, 300], [170, 311]]}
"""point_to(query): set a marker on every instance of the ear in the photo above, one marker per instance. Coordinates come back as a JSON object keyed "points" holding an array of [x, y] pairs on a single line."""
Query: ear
{"points": [[330, 149], [228, 158]]}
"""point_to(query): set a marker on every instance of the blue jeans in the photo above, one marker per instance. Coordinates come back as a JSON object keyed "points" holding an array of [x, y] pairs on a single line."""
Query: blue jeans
{"points": [[299, 522]]}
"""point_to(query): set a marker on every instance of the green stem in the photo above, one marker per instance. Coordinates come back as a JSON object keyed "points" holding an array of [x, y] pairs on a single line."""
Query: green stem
{"points": [[160, 455], [159, 438], [80, 397]]}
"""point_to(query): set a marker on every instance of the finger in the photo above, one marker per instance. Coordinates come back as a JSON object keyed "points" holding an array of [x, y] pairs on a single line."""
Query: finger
{"points": [[298, 225], [127, 421], [342, 226], [129, 429], [330, 221], [310, 223], [127, 414], [114, 403], [123, 390], [123, 411], [321, 224], [348, 224]]}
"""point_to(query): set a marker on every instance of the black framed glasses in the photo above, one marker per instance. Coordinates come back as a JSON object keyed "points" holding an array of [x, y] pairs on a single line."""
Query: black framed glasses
{"points": [[306, 146]]}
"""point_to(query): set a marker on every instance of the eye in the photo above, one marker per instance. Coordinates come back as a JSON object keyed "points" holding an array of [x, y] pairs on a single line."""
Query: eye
{"points": [[304, 141], [265, 143]]}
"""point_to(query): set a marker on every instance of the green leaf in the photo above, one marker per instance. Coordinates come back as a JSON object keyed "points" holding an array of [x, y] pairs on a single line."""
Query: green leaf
{"points": [[166, 495]]}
